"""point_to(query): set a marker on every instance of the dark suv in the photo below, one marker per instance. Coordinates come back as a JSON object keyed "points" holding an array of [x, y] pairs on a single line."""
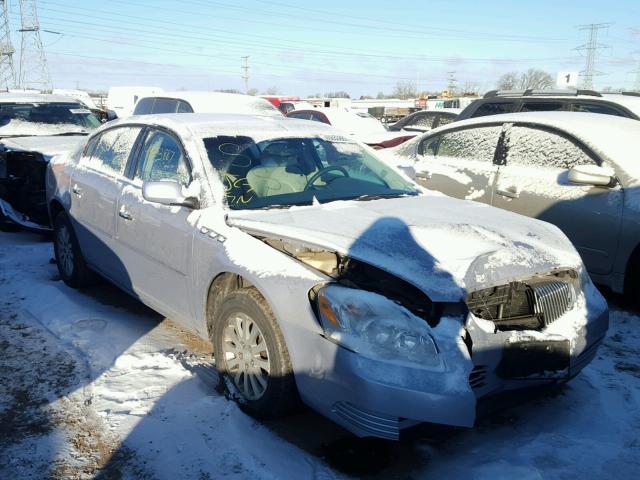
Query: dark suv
{"points": [[625, 104]]}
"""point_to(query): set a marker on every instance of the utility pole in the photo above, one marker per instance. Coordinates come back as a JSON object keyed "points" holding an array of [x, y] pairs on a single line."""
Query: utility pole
{"points": [[7, 73], [33, 64], [451, 87], [245, 75], [591, 47], [636, 85]]}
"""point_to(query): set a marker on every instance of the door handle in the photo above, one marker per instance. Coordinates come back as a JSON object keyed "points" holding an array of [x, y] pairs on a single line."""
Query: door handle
{"points": [[511, 192], [124, 213], [76, 189]]}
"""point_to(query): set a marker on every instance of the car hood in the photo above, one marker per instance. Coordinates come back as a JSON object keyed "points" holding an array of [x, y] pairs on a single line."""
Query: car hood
{"points": [[48, 146], [444, 246]]}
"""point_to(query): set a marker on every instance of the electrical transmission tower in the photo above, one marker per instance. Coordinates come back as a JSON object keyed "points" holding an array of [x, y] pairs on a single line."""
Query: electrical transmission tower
{"points": [[591, 47], [451, 87], [33, 64], [245, 75], [7, 74]]}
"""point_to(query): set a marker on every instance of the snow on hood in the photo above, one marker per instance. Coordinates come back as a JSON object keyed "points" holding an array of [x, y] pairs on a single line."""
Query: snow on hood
{"points": [[48, 146], [442, 245]]}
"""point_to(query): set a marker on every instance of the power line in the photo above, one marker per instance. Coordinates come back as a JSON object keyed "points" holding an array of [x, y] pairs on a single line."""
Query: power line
{"points": [[592, 47], [33, 64], [7, 72]]}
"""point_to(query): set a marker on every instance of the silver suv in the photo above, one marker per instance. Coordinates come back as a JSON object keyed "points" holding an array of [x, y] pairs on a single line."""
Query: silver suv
{"points": [[319, 272]]}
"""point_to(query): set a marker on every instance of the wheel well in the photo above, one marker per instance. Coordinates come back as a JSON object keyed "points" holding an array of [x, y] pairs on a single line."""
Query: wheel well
{"points": [[54, 209], [220, 287], [632, 270]]}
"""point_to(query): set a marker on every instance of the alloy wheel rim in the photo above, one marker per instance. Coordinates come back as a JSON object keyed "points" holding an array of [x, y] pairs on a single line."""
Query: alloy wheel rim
{"points": [[65, 251], [246, 355]]}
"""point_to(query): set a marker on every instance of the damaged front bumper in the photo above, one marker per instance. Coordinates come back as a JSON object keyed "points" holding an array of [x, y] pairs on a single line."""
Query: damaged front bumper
{"points": [[375, 398], [10, 215]]}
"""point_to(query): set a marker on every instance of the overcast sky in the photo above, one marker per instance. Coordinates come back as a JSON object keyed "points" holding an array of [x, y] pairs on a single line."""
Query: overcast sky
{"points": [[301, 48]]}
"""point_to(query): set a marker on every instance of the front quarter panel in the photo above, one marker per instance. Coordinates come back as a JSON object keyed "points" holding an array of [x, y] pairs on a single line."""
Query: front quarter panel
{"points": [[58, 179]]}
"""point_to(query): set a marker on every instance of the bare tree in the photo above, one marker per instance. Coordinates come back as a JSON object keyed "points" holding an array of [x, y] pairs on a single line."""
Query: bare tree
{"points": [[338, 94], [272, 91], [508, 81], [535, 79], [532, 78], [252, 91], [405, 90]]}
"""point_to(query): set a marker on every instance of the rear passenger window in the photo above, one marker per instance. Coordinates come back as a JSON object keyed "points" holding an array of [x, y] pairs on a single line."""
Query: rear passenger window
{"points": [[541, 106], [144, 106], [113, 149], [470, 144], [164, 105], [597, 108], [540, 148], [184, 107], [494, 109], [161, 158]]}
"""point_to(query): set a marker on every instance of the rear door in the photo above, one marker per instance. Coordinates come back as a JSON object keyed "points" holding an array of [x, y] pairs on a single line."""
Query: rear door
{"points": [[534, 182], [95, 184], [460, 163], [155, 240]]}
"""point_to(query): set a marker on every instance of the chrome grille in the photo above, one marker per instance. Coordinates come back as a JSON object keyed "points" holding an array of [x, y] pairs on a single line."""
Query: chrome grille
{"points": [[552, 299]]}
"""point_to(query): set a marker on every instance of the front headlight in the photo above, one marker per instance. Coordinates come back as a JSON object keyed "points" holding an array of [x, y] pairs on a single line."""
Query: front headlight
{"points": [[375, 327]]}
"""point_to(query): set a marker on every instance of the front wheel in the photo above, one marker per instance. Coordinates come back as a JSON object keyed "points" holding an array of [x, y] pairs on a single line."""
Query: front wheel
{"points": [[251, 355], [71, 264]]}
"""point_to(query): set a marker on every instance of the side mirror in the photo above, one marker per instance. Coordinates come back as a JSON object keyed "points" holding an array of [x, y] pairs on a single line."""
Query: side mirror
{"points": [[593, 175], [168, 192], [111, 115]]}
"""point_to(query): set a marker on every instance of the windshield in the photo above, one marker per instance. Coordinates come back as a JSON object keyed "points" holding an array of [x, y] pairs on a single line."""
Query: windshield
{"points": [[45, 119], [299, 171]]}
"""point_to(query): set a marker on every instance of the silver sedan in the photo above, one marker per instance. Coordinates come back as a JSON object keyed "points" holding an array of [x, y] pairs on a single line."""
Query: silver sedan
{"points": [[319, 272]]}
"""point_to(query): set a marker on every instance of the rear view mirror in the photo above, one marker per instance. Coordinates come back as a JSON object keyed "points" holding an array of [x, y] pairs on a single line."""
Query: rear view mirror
{"points": [[167, 192], [592, 175]]}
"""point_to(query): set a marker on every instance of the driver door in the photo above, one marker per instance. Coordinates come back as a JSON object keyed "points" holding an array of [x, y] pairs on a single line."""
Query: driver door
{"points": [[535, 182]]}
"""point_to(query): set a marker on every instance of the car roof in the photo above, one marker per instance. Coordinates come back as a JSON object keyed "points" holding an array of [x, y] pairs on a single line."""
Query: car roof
{"points": [[209, 102], [615, 138], [27, 97], [211, 124], [629, 100]]}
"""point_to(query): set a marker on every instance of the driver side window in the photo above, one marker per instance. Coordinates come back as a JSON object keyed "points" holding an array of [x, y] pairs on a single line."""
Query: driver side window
{"points": [[162, 158]]}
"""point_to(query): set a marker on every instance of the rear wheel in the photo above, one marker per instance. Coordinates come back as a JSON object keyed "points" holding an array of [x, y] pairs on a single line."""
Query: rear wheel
{"points": [[71, 264], [251, 355]]}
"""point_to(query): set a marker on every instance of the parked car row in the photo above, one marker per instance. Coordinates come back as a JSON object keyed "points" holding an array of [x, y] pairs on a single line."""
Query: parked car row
{"points": [[323, 270]]}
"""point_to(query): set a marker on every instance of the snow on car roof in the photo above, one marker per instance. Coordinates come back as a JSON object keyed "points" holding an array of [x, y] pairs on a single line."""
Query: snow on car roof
{"points": [[221, 102], [615, 138], [211, 124], [16, 97]]}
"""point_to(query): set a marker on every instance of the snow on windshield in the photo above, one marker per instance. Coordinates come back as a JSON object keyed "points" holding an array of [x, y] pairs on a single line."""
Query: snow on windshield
{"points": [[19, 127]]}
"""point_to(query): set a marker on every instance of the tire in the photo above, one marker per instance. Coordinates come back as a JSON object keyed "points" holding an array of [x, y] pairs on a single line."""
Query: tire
{"points": [[235, 321], [71, 264]]}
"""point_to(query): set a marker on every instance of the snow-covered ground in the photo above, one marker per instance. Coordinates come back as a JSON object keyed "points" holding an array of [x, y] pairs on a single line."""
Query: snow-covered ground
{"points": [[92, 383]]}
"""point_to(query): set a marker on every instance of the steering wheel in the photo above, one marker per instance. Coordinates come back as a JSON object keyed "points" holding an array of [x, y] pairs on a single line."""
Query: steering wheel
{"points": [[321, 172]]}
